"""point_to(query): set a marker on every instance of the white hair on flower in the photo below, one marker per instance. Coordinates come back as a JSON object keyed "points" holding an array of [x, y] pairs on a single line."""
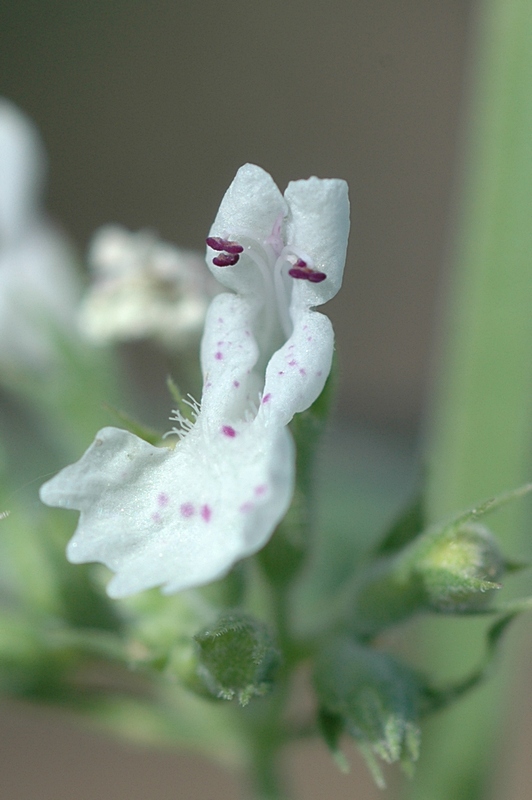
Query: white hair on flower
{"points": [[181, 518]]}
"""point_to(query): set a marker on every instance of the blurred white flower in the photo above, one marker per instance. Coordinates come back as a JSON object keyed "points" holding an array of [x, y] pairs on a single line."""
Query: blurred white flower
{"points": [[182, 517], [144, 288], [39, 288]]}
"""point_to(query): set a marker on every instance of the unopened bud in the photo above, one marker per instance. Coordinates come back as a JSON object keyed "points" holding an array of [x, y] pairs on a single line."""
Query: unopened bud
{"points": [[461, 570]]}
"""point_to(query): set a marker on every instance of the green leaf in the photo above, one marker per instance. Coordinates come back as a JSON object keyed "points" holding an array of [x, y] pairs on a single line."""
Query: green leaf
{"points": [[237, 657]]}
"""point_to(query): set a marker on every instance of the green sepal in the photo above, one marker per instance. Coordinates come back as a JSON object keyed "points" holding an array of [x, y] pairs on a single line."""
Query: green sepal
{"points": [[374, 697], [332, 726], [237, 657], [437, 698], [406, 527], [144, 432]]}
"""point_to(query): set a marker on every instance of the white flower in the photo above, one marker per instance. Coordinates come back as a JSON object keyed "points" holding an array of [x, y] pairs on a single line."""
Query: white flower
{"points": [[181, 518], [144, 288], [38, 288]]}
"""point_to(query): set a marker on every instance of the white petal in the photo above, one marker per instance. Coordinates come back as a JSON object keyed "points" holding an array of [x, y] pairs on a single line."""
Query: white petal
{"points": [[175, 518], [297, 372], [318, 226], [22, 165], [251, 207], [229, 353]]}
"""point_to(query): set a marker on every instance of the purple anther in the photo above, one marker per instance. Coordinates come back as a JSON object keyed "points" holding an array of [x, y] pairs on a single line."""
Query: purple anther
{"points": [[233, 247], [306, 274], [224, 245], [187, 509], [226, 260], [216, 243], [316, 277], [227, 430]]}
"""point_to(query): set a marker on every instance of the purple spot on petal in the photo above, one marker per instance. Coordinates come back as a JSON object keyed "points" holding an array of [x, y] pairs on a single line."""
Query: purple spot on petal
{"points": [[187, 510], [309, 338], [266, 398], [156, 517], [218, 356], [206, 513], [302, 371], [236, 384], [260, 490], [280, 373], [220, 344], [220, 320], [162, 500], [319, 373], [245, 508], [292, 363], [227, 430]]}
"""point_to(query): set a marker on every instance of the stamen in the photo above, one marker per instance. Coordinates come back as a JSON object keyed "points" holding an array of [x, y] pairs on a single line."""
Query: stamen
{"points": [[224, 245], [302, 272], [226, 259]]}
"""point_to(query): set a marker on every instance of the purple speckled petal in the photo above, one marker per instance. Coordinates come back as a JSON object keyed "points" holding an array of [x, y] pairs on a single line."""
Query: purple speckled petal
{"points": [[212, 484], [297, 372]]}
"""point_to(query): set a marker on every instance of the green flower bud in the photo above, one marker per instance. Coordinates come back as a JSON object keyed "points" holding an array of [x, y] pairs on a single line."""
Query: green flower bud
{"points": [[237, 657], [372, 697], [461, 570], [454, 569]]}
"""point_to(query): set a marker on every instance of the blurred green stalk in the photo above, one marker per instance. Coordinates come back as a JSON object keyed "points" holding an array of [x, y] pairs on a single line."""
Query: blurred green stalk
{"points": [[483, 415]]}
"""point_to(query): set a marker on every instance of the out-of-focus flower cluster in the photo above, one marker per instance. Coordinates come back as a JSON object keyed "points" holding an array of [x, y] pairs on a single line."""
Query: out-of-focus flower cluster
{"points": [[144, 288], [39, 284]]}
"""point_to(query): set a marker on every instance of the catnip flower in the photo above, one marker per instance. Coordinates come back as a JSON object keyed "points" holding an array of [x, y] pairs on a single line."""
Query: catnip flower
{"points": [[182, 517], [39, 288], [144, 288]]}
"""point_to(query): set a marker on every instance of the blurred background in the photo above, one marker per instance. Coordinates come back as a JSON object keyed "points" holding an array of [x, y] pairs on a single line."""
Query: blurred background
{"points": [[147, 110]]}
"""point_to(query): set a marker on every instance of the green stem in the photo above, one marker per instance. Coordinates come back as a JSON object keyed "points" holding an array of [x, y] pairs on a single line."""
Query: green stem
{"points": [[266, 777], [483, 421]]}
